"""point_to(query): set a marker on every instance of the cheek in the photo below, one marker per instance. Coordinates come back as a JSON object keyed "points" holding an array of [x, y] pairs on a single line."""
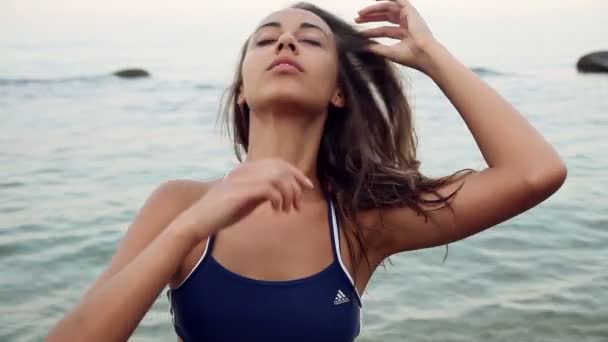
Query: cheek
{"points": [[325, 76], [248, 69]]}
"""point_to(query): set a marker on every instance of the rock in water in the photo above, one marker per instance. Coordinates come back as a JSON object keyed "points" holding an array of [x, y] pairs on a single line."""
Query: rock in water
{"points": [[593, 62], [131, 73]]}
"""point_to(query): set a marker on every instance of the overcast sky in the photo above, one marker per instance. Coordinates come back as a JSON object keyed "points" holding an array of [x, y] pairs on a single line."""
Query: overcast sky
{"points": [[217, 28], [205, 7], [23, 16]]}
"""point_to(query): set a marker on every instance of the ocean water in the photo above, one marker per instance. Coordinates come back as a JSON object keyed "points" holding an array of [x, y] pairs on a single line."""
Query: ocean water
{"points": [[80, 150]]}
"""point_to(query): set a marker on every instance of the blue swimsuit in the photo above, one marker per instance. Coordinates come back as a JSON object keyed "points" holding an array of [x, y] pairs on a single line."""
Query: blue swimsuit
{"points": [[216, 304]]}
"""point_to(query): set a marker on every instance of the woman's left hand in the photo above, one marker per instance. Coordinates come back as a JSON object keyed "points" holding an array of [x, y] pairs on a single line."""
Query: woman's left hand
{"points": [[413, 33]]}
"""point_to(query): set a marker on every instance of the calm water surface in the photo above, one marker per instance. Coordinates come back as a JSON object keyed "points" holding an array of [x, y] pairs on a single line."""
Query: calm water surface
{"points": [[80, 151]]}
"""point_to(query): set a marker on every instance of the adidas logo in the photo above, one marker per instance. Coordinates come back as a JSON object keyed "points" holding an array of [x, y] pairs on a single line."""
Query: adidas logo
{"points": [[340, 298]]}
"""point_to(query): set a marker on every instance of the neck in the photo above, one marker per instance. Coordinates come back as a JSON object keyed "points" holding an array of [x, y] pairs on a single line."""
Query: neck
{"points": [[293, 136]]}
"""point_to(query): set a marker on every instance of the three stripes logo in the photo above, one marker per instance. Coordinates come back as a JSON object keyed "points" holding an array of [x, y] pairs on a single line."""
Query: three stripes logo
{"points": [[340, 298]]}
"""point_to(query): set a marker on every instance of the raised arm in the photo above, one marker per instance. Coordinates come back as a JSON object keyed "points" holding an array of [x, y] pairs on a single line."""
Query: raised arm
{"points": [[523, 168]]}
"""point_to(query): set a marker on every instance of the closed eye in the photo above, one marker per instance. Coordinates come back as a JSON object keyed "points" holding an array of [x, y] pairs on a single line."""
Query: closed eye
{"points": [[270, 41], [264, 42], [313, 42]]}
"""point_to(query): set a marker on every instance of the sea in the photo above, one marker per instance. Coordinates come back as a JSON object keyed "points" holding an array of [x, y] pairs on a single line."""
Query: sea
{"points": [[80, 150]]}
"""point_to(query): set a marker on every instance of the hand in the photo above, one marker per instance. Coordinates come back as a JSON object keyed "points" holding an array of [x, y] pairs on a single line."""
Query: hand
{"points": [[244, 189], [413, 32]]}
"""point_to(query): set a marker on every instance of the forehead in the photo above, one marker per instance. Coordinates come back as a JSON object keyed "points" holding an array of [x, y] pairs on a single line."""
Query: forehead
{"points": [[293, 17]]}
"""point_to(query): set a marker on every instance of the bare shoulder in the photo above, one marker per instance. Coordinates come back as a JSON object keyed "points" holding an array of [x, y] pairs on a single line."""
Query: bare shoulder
{"points": [[165, 202], [178, 193]]}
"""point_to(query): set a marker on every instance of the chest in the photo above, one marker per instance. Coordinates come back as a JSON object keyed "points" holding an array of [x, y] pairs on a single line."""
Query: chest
{"points": [[275, 248], [282, 247]]}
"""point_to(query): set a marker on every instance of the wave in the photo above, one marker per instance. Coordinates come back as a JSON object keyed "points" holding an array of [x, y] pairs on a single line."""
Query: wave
{"points": [[29, 81], [99, 78]]}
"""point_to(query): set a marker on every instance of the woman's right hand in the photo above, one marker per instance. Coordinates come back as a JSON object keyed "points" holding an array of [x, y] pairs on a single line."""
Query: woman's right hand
{"points": [[244, 189]]}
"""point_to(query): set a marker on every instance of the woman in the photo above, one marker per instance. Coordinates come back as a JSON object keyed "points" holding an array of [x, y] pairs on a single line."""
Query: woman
{"points": [[330, 157]]}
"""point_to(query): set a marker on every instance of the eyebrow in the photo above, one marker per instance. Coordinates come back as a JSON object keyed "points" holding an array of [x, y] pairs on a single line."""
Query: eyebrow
{"points": [[302, 25]]}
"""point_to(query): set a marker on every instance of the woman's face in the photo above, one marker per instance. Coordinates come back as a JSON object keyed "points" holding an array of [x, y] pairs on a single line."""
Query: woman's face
{"points": [[303, 38]]}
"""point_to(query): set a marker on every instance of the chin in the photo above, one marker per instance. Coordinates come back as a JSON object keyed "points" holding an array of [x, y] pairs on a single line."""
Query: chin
{"points": [[284, 94]]}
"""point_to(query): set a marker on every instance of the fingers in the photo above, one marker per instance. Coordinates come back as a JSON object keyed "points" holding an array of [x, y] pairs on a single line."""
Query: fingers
{"points": [[297, 195], [381, 16], [275, 197], [300, 176], [380, 49], [276, 181], [388, 10], [403, 3], [394, 32], [285, 189], [289, 193], [387, 6], [290, 184]]}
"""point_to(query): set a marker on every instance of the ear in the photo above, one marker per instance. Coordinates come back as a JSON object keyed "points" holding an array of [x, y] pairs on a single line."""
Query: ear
{"points": [[241, 98], [338, 99]]}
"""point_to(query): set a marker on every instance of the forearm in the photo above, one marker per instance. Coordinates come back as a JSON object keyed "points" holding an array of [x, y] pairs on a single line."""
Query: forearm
{"points": [[112, 312], [505, 138]]}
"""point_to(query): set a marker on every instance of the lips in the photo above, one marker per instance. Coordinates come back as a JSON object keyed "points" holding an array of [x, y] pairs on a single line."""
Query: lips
{"points": [[285, 60]]}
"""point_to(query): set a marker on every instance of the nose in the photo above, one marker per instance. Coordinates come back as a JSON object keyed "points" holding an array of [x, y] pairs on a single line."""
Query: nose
{"points": [[287, 40]]}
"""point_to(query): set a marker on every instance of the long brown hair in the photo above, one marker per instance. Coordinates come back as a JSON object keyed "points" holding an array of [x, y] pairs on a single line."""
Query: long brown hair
{"points": [[367, 158]]}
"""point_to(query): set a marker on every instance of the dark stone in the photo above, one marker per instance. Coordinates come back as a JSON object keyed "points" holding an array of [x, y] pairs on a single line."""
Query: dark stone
{"points": [[593, 62], [131, 73]]}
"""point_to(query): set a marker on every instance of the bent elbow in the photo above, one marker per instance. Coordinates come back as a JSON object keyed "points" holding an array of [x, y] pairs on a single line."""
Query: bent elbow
{"points": [[548, 181]]}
